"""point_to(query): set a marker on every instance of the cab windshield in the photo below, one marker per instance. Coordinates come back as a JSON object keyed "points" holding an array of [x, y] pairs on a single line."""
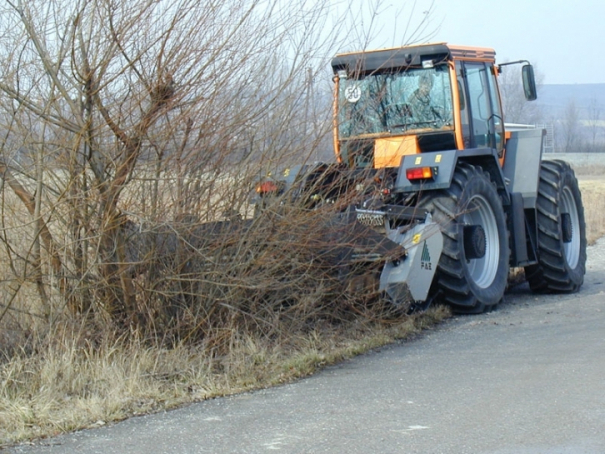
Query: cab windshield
{"points": [[394, 103]]}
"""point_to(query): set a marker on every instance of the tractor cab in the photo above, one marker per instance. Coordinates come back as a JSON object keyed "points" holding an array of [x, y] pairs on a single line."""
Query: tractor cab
{"points": [[437, 97]]}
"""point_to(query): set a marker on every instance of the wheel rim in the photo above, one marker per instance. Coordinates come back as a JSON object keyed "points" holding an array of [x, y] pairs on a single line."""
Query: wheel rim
{"points": [[571, 249], [483, 270]]}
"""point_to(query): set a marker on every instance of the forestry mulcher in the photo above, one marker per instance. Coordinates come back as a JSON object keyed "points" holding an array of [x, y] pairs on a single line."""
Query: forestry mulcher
{"points": [[421, 142]]}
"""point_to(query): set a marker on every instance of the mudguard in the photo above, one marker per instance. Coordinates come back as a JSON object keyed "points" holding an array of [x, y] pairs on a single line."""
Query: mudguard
{"points": [[444, 164]]}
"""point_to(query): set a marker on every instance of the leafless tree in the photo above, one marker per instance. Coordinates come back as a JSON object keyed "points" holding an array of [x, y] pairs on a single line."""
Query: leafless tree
{"points": [[516, 108], [101, 97], [571, 128], [594, 124], [133, 134]]}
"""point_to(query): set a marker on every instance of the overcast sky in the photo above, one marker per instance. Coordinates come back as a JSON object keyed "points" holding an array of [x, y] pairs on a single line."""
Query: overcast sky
{"points": [[565, 39]]}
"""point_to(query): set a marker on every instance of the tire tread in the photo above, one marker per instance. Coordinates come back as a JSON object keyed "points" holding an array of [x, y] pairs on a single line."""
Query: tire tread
{"points": [[552, 273], [450, 280]]}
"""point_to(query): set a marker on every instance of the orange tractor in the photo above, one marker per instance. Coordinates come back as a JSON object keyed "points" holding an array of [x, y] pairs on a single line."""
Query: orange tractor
{"points": [[464, 195]]}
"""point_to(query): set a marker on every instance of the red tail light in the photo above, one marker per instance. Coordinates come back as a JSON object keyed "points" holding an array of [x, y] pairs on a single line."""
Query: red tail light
{"points": [[266, 187], [419, 173]]}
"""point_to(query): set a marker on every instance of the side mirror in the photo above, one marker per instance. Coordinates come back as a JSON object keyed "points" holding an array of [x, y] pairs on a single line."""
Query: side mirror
{"points": [[529, 82]]}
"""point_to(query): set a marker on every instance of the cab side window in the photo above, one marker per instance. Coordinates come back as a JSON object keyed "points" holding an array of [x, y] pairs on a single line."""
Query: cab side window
{"points": [[478, 97], [486, 113]]}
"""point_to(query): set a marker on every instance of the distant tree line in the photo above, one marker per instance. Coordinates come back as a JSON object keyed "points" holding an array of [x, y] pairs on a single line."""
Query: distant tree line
{"points": [[576, 128]]}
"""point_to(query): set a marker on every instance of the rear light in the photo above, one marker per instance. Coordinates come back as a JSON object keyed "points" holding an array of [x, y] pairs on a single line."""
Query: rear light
{"points": [[267, 187], [420, 173]]}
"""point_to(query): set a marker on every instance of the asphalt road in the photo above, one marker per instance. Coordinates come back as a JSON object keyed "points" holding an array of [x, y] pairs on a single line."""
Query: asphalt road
{"points": [[526, 379]]}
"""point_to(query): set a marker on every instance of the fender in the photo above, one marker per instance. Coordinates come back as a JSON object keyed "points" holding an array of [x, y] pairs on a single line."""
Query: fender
{"points": [[443, 164], [307, 184]]}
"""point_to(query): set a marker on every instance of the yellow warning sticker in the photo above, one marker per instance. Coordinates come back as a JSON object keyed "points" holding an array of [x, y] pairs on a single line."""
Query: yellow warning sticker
{"points": [[416, 238], [437, 159], [418, 160]]}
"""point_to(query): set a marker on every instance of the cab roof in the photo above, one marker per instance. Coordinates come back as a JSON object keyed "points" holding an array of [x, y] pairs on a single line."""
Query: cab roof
{"points": [[406, 56]]}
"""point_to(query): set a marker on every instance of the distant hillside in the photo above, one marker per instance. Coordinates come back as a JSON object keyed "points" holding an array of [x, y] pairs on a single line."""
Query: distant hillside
{"points": [[554, 98]]}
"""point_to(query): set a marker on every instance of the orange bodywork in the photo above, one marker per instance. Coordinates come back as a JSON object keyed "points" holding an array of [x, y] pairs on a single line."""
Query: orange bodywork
{"points": [[388, 151]]}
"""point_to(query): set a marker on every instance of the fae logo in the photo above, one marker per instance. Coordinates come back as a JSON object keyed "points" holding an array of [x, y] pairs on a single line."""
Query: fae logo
{"points": [[425, 258]]}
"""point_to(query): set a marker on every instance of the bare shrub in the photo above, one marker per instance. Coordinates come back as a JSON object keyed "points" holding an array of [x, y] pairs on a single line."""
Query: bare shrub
{"points": [[133, 134]]}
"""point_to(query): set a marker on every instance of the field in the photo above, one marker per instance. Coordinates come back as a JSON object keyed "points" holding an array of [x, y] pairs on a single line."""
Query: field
{"points": [[593, 197]]}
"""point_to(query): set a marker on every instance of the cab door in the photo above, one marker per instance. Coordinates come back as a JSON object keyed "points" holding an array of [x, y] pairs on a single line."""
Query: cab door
{"points": [[484, 116]]}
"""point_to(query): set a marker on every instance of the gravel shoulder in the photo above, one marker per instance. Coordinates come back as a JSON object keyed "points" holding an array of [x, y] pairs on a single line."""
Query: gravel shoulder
{"points": [[525, 379]]}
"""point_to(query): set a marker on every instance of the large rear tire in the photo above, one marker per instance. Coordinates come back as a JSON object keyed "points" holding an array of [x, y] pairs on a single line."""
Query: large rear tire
{"points": [[561, 232], [472, 272]]}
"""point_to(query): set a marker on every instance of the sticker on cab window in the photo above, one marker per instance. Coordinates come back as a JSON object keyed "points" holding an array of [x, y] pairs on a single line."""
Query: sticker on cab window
{"points": [[353, 93]]}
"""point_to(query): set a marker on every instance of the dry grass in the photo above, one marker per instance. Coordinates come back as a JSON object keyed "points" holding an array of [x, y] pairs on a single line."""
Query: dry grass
{"points": [[67, 386], [593, 198]]}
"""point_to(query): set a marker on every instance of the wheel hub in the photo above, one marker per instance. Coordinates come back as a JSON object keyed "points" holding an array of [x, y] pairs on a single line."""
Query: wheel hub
{"points": [[475, 242]]}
